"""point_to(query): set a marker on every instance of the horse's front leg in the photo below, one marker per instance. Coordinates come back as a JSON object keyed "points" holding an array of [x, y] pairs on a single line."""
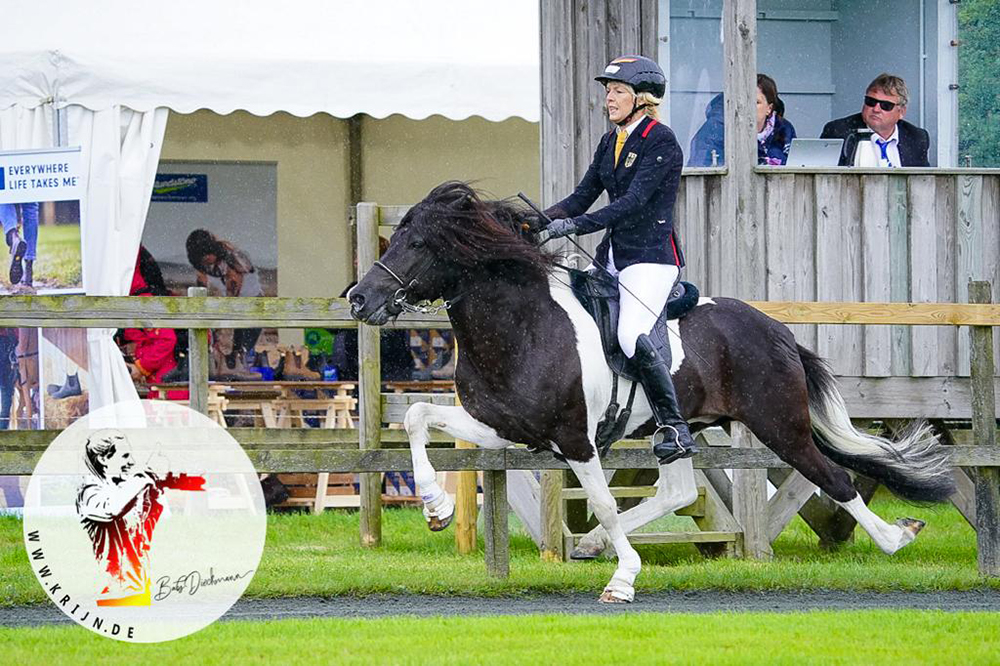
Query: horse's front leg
{"points": [[420, 417], [591, 477]]}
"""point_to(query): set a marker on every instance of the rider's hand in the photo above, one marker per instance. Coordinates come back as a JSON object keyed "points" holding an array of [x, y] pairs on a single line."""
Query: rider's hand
{"points": [[557, 229]]}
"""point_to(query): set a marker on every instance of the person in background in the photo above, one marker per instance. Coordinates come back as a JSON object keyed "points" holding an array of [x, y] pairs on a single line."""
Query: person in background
{"points": [[638, 163], [227, 271], [149, 352], [774, 133], [895, 142], [710, 137], [22, 250]]}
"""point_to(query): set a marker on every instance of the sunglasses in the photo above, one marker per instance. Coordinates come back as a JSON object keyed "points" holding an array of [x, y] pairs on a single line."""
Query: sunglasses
{"points": [[884, 103]]}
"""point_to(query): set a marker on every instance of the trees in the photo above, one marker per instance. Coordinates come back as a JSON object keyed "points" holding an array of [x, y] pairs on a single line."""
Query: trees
{"points": [[979, 76]]}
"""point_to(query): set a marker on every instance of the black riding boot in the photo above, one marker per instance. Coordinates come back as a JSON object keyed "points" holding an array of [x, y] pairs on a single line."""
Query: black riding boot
{"points": [[672, 439]]}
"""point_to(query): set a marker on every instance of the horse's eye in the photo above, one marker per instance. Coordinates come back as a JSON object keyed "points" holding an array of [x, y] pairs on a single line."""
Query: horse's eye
{"points": [[417, 244]]}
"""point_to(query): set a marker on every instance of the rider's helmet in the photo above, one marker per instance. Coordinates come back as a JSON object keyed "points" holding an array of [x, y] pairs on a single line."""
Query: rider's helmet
{"points": [[643, 74]]}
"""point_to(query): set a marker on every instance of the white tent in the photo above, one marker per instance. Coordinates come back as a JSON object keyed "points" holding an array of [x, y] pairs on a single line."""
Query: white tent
{"points": [[414, 57], [103, 74]]}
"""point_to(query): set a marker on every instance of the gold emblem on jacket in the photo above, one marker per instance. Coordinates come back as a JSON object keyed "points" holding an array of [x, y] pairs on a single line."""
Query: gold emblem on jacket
{"points": [[630, 159]]}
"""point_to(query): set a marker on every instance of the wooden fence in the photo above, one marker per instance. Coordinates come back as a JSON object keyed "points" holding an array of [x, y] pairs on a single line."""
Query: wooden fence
{"points": [[918, 235], [296, 450]]}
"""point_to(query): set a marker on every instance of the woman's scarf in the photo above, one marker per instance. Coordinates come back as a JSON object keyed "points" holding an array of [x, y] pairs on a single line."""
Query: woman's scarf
{"points": [[763, 136]]}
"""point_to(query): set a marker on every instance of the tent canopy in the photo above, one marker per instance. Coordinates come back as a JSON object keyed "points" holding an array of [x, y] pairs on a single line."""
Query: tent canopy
{"points": [[413, 57]]}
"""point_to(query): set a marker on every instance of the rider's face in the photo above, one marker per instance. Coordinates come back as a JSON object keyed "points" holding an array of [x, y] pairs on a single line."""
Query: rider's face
{"points": [[119, 464], [620, 101]]}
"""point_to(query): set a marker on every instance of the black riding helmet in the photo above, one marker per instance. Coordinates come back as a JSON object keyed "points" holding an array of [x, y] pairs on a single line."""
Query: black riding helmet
{"points": [[643, 74]]}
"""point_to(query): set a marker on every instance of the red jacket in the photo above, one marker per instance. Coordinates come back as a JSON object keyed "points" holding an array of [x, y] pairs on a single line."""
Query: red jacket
{"points": [[154, 347]]}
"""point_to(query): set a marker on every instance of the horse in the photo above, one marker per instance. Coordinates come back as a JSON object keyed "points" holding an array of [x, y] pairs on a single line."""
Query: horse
{"points": [[532, 370]]}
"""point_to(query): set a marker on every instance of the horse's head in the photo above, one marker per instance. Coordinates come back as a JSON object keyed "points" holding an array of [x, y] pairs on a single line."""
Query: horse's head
{"points": [[445, 244]]}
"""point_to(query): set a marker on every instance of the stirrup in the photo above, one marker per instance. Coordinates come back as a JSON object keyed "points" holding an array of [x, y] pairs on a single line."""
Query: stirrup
{"points": [[669, 451]]}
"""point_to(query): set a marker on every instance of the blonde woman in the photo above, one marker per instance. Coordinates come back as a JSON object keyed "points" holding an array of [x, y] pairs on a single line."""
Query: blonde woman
{"points": [[639, 165]]}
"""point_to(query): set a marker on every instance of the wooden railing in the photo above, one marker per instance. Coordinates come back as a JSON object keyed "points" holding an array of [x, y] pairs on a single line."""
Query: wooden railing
{"points": [[296, 450]]}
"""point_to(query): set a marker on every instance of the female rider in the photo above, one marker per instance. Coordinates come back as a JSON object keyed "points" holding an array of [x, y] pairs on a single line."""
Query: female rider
{"points": [[639, 165]]}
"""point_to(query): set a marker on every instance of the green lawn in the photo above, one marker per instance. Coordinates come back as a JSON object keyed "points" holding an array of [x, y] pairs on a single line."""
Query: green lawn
{"points": [[876, 637], [59, 263], [320, 555]]}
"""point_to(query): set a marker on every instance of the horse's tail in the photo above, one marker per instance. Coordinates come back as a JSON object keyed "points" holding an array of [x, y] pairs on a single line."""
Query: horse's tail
{"points": [[914, 468]]}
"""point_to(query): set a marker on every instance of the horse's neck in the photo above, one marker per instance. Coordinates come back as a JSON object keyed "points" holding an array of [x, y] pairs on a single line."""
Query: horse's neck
{"points": [[493, 317]]}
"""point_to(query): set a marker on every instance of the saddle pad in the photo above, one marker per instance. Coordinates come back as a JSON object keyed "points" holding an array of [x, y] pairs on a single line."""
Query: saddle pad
{"points": [[598, 293]]}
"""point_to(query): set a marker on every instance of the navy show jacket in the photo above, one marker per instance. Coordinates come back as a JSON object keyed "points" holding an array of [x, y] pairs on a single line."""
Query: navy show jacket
{"points": [[642, 188]]}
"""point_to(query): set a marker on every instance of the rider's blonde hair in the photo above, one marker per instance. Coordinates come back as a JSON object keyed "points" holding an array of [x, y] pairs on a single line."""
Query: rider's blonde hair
{"points": [[652, 103]]}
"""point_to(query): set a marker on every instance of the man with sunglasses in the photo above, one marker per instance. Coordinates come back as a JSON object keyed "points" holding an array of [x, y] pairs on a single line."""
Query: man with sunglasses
{"points": [[894, 141]]}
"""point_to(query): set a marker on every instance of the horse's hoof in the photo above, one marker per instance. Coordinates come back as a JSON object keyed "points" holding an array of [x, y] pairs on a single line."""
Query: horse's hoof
{"points": [[912, 525], [585, 551], [610, 596], [437, 524]]}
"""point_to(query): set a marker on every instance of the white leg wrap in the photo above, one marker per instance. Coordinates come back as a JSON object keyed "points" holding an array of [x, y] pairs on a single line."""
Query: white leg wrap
{"points": [[592, 479], [889, 538]]}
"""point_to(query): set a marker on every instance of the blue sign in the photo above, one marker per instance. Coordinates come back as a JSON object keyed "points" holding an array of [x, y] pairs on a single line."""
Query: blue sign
{"points": [[181, 187], [3, 181]]}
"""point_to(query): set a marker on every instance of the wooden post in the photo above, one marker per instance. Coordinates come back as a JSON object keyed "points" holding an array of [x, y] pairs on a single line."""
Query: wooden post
{"points": [[984, 431], [356, 183], [369, 385], [198, 360], [750, 499], [495, 519], [466, 511], [742, 236], [553, 546]]}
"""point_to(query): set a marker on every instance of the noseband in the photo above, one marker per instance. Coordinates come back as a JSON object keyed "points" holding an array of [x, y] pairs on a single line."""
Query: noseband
{"points": [[399, 299]]}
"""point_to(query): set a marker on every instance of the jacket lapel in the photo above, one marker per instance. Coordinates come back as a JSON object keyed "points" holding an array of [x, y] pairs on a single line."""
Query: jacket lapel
{"points": [[631, 146]]}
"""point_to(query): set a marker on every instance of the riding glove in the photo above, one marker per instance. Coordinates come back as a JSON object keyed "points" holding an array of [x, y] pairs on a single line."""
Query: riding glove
{"points": [[557, 229]]}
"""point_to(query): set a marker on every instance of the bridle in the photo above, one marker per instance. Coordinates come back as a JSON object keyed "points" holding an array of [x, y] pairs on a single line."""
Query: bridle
{"points": [[399, 299]]}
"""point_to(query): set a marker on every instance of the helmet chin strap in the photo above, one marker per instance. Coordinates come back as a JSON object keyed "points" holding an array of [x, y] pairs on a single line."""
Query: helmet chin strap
{"points": [[635, 109]]}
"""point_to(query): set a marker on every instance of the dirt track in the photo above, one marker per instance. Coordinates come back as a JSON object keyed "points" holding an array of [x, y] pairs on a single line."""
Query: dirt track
{"points": [[675, 602]]}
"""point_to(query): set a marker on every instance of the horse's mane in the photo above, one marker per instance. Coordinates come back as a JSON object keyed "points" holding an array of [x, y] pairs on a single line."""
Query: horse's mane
{"points": [[474, 232]]}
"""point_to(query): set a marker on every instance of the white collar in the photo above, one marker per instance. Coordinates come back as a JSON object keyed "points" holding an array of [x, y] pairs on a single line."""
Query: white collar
{"points": [[893, 137], [631, 127]]}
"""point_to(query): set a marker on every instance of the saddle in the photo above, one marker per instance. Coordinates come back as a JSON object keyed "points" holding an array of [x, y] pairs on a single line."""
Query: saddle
{"points": [[598, 293]]}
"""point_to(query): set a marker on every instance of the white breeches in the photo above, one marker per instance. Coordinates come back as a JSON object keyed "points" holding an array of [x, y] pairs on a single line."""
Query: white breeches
{"points": [[643, 290]]}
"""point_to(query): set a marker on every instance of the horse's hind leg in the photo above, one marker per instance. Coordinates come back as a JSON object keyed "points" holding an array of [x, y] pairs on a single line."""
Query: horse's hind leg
{"points": [[675, 489], [420, 417], [790, 437]]}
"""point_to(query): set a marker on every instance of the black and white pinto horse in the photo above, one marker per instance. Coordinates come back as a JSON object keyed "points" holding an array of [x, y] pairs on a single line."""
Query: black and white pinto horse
{"points": [[532, 370]]}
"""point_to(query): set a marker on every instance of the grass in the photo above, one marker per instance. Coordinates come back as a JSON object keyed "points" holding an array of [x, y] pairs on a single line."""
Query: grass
{"points": [[59, 261], [320, 555], [882, 637]]}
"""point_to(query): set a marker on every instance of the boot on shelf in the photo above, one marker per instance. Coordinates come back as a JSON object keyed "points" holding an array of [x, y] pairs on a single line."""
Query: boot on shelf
{"points": [[219, 370], [446, 371], [296, 361]]}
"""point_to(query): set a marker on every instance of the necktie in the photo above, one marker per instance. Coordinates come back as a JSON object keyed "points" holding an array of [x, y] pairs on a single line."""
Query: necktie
{"points": [[884, 145], [620, 143]]}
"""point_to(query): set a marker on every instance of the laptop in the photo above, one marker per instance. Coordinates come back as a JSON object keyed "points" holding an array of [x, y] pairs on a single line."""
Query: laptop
{"points": [[815, 152]]}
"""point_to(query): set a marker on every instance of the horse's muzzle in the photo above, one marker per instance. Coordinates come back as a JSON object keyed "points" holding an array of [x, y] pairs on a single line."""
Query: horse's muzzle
{"points": [[372, 316]]}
